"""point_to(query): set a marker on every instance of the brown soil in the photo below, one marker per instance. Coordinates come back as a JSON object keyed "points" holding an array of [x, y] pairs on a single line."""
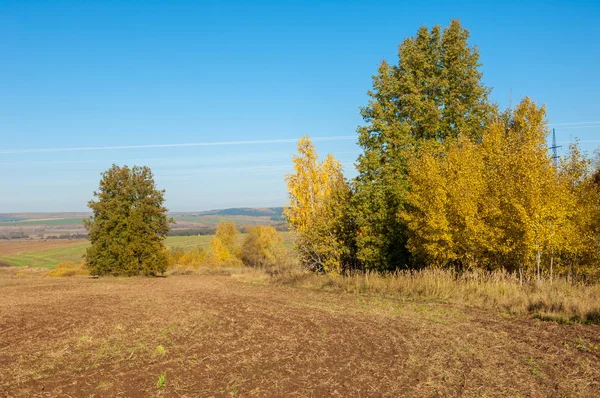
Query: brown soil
{"points": [[215, 335], [14, 247]]}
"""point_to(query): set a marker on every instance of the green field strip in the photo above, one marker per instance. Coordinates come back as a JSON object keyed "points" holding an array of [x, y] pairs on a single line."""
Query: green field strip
{"points": [[49, 258]]}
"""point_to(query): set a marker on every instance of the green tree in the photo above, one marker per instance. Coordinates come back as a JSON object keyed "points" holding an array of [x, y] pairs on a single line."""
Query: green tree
{"points": [[128, 225], [433, 93]]}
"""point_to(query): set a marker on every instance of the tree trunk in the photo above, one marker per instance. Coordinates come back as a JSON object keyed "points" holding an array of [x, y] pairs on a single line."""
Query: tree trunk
{"points": [[521, 275], [538, 258], [552, 266]]}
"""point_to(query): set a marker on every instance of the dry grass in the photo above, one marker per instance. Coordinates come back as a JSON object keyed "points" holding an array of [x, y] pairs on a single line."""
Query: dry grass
{"points": [[68, 268], [561, 300], [179, 258]]}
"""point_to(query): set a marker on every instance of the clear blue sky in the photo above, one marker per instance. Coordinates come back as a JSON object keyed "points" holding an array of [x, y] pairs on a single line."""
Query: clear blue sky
{"points": [[81, 74]]}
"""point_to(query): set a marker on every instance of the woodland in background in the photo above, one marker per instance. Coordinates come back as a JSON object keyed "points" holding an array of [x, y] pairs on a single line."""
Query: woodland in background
{"points": [[446, 179]]}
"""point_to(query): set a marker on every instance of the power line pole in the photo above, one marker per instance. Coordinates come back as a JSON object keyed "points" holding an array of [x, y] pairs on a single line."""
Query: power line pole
{"points": [[554, 148]]}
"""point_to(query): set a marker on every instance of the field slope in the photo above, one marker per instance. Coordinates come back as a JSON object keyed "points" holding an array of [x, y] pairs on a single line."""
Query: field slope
{"points": [[213, 335]]}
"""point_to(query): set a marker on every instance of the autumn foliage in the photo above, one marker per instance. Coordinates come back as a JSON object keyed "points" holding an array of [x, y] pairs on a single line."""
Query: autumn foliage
{"points": [[317, 191], [446, 180]]}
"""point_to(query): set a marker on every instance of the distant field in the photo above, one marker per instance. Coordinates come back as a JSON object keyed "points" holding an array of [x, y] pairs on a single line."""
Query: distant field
{"points": [[41, 253], [210, 220], [48, 254], [188, 242], [213, 220], [241, 216], [47, 221]]}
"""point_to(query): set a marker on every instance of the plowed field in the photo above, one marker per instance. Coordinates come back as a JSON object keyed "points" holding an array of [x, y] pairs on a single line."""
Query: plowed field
{"points": [[211, 335]]}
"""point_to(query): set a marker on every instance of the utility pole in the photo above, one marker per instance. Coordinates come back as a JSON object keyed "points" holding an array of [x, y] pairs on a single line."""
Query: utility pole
{"points": [[554, 148]]}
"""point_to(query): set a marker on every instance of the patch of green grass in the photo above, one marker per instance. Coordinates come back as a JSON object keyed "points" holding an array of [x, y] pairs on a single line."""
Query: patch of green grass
{"points": [[49, 257], [188, 242], [171, 329], [586, 345], [162, 380], [160, 351]]}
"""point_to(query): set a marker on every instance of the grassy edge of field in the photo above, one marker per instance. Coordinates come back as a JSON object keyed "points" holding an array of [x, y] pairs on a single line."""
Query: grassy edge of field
{"points": [[560, 300]]}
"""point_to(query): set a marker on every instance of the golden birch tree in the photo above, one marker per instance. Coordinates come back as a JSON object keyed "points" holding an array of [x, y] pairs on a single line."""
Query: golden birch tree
{"points": [[315, 189]]}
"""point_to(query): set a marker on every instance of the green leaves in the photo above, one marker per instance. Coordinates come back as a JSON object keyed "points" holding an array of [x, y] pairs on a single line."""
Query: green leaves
{"points": [[434, 93], [128, 225]]}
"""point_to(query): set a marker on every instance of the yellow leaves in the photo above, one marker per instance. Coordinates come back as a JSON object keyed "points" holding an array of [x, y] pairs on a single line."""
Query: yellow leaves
{"points": [[312, 212], [447, 205], [262, 247], [309, 185], [227, 233], [219, 250], [480, 201], [223, 247]]}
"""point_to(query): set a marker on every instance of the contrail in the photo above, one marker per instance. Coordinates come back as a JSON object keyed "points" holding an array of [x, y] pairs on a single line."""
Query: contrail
{"points": [[573, 123], [191, 144], [591, 126]]}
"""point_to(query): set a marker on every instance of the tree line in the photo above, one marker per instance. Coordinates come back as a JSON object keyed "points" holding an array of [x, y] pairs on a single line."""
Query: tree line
{"points": [[447, 179]]}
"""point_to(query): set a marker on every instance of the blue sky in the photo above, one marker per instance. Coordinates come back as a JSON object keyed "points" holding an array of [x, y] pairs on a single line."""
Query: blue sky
{"points": [[82, 74]]}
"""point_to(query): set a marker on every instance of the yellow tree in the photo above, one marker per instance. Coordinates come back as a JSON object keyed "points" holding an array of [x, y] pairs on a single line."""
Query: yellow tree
{"points": [[578, 242], [471, 209], [223, 248], [430, 239], [531, 199], [262, 247], [449, 204], [227, 233], [493, 202], [315, 189]]}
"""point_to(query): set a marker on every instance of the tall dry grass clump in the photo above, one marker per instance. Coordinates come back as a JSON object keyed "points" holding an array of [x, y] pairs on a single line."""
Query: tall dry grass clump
{"points": [[560, 300], [68, 268], [177, 258]]}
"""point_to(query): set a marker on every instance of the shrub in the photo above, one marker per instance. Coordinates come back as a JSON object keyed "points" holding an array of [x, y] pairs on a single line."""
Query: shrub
{"points": [[263, 248], [220, 256], [178, 258]]}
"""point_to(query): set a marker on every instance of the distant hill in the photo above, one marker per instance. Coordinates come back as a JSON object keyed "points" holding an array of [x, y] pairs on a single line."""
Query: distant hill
{"points": [[274, 213]]}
